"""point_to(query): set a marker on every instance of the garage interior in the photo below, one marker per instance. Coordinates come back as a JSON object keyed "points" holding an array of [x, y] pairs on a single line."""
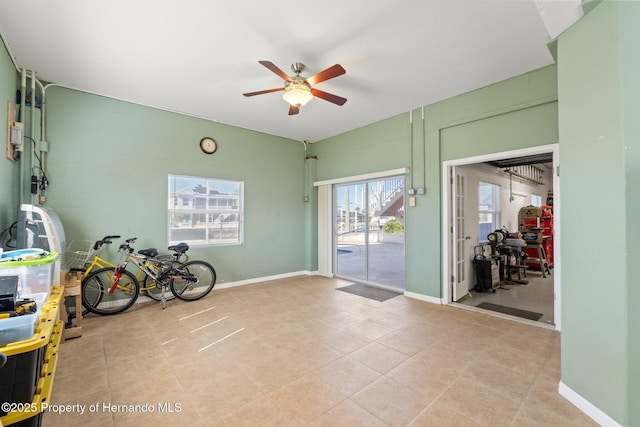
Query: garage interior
{"points": [[523, 182]]}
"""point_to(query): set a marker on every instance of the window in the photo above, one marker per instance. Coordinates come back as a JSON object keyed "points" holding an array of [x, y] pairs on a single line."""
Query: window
{"points": [[536, 200], [205, 211], [488, 209]]}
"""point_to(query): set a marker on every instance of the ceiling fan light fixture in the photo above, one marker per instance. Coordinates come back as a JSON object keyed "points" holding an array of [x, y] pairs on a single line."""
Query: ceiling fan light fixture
{"points": [[297, 93], [298, 90]]}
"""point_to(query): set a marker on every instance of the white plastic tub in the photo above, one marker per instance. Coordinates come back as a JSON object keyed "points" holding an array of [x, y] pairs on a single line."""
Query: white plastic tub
{"points": [[23, 327], [34, 267]]}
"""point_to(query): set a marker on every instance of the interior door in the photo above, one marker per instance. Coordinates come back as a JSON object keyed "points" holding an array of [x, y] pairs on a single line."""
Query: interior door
{"points": [[460, 237]]}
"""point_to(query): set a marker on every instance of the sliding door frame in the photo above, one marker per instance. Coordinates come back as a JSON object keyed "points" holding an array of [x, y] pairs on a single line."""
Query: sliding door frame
{"points": [[326, 215]]}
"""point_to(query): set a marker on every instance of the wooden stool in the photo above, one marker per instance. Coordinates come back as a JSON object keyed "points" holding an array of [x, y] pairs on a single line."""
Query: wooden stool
{"points": [[72, 288]]}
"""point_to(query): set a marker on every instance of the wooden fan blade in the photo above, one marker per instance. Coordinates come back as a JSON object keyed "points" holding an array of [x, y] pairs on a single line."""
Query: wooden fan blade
{"points": [[263, 91], [293, 109], [271, 66], [338, 100], [327, 74]]}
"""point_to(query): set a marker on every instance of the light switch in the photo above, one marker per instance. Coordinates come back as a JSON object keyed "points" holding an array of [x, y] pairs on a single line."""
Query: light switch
{"points": [[412, 201]]}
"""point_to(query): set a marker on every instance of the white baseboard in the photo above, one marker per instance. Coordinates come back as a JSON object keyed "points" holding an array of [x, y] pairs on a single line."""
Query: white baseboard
{"points": [[264, 279], [587, 407], [421, 297]]}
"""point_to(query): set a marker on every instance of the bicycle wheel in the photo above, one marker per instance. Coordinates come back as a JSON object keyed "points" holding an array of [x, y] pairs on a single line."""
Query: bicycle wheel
{"points": [[96, 296], [193, 280]]}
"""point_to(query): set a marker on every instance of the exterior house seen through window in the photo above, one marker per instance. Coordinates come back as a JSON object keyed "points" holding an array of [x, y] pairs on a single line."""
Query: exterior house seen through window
{"points": [[205, 211]]}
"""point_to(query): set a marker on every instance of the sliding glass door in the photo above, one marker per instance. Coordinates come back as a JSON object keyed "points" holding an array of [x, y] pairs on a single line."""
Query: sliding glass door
{"points": [[369, 232], [350, 232]]}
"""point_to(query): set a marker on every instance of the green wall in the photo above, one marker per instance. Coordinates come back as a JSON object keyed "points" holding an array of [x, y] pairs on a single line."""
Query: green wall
{"points": [[599, 107], [630, 64], [8, 195], [108, 167], [517, 113], [380, 146], [516, 129]]}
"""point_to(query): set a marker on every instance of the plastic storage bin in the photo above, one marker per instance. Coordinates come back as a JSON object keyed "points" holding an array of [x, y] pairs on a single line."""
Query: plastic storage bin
{"points": [[27, 377], [34, 267], [22, 254], [21, 328]]}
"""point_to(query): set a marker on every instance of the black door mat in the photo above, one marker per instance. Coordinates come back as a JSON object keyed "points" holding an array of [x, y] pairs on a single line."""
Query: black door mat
{"points": [[370, 292], [510, 310]]}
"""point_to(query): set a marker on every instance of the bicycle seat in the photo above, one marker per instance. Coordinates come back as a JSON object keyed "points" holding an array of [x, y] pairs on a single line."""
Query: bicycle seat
{"points": [[151, 252], [179, 248]]}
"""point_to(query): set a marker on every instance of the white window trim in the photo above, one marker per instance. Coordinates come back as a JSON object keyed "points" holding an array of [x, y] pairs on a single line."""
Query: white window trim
{"points": [[210, 243]]}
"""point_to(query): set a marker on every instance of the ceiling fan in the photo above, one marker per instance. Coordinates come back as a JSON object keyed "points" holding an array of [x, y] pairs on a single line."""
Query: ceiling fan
{"points": [[298, 90]]}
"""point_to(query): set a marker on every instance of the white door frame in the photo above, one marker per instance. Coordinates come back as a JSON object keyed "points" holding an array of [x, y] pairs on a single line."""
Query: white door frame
{"points": [[447, 225]]}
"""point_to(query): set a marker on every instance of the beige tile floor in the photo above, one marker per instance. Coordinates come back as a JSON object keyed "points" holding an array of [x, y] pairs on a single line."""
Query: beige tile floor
{"points": [[296, 352]]}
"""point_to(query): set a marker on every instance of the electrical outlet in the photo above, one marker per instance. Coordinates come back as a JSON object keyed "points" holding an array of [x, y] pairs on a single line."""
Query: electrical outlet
{"points": [[411, 191], [421, 191], [412, 201]]}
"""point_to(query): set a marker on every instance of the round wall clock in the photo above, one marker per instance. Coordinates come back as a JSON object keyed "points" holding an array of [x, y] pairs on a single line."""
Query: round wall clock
{"points": [[208, 145]]}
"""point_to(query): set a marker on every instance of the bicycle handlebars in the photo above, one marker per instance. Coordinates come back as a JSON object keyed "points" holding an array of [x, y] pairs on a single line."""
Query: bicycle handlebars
{"points": [[105, 240], [127, 245]]}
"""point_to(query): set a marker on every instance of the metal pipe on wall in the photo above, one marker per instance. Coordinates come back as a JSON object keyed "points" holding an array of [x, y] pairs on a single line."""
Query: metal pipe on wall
{"points": [[424, 151], [23, 88], [43, 147], [411, 149], [43, 131], [32, 171]]}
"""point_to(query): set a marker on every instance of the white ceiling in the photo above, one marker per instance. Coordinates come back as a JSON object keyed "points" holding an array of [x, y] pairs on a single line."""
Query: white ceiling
{"points": [[198, 57]]}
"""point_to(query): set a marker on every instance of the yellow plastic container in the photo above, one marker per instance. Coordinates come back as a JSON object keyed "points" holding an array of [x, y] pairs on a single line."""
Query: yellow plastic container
{"points": [[27, 377]]}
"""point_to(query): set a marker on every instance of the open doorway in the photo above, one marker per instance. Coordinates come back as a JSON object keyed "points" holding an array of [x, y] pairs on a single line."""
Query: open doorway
{"points": [[497, 236]]}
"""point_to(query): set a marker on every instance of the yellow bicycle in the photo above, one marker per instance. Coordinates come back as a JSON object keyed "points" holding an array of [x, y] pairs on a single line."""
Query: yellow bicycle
{"points": [[112, 290], [80, 259]]}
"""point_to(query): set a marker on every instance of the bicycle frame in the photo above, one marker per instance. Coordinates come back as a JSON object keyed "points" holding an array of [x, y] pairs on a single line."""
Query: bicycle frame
{"points": [[93, 260], [187, 280], [140, 261], [98, 262], [136, 260]]}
